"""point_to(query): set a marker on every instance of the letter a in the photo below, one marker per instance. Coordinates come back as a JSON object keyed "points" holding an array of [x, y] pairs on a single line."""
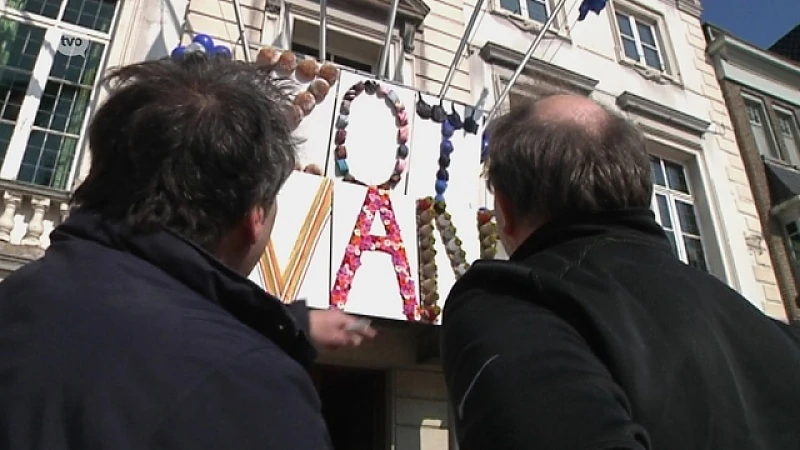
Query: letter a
{"points": [[376, 201]]}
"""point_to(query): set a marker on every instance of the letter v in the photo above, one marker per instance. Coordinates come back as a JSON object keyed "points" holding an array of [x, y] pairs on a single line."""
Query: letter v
{"points": [[285, 283]]}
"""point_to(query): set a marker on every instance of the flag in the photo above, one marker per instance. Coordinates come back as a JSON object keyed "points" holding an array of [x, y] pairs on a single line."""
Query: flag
{"points": [[591, 5]]}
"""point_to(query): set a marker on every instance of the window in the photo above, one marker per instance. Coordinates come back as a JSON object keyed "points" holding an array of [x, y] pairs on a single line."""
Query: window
{"points": [[759, 125], [793, 233], [788, 134], [342, 49], [674, 208], [45, 92], [640, 41], [538, 10]]}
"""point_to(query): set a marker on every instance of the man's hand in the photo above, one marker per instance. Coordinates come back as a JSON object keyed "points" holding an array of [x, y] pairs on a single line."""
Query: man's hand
{"points": [[333, 329]]}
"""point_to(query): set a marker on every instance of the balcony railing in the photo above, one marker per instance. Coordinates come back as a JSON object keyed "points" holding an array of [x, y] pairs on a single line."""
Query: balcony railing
{"points": [[29, 214]]}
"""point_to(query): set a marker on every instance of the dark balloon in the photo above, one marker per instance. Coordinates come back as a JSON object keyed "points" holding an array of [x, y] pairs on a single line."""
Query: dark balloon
{"points": [[222, 51], [204, 40], [178, 53]]}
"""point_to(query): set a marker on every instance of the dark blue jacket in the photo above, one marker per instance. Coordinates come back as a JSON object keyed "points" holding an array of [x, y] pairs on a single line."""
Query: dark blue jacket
{"points": [[595, 337], [121, 341]]}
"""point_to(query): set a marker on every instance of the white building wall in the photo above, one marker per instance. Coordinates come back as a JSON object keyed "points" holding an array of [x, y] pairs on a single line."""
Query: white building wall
{"points": [[591, 48]]}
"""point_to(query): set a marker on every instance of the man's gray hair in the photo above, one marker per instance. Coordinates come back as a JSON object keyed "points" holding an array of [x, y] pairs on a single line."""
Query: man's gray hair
{"points": [[552, 169]]}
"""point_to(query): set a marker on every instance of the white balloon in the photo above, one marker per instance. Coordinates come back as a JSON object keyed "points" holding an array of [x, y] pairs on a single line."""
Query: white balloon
{"points": [[195, 47]]}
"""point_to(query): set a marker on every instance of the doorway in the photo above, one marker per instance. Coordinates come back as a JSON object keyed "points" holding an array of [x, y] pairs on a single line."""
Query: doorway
{"points": [[354, 404]]}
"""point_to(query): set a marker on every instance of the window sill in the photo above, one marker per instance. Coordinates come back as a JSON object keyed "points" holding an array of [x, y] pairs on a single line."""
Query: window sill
{"points": [[651, 74], [529, 25]]}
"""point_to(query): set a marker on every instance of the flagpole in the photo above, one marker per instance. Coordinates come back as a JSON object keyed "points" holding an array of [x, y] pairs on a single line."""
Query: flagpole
{"points": [[237, 9], [461, 46], [525, 59], [323, 30], [387, 42]]}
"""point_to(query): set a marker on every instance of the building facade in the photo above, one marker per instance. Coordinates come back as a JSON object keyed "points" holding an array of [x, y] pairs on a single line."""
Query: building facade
{"points": [[761, 95], [645, 57]]}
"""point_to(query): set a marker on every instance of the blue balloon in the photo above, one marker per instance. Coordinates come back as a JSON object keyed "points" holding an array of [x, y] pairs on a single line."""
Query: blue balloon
{"points": [[204, 40], [222, 51], [177, 53]]}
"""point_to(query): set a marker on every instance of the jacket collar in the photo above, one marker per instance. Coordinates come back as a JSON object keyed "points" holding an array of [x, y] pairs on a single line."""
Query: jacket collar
{"points": [[629, 224], [200, 271]]}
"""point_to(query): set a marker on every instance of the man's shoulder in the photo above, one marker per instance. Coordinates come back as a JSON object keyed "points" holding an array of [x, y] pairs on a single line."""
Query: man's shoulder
{"points": [[72, 298]]}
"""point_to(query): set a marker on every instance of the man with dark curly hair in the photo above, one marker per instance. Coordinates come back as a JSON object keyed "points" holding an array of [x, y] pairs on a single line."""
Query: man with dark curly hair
{"points": [[138, 328]]}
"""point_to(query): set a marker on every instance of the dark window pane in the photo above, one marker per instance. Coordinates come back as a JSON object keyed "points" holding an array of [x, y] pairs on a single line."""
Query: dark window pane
{"points": [[694, 253], [624, 25], [6, 130], [794, 242], [687, 218], [94, 14], [19, 44], [676, 177], [646, 34], [629, 46], [76, 68], [658, 172], [651, 58], [47, 8], [663, 211], [672, 243], [537, 10], [48, 159], [13, 86], [511, 5], [791, 228]]}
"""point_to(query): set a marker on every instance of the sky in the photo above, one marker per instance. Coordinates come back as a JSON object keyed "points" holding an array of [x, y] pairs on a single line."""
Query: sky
{"points": [[760, 22]]}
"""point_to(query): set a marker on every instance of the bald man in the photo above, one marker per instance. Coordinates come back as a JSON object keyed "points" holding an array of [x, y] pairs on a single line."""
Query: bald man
{"points": [[594, 335]]}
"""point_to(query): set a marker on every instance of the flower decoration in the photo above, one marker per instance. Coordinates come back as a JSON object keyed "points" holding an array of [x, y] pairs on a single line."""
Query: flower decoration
{"points": [[487, 233], [202, 44], [428, 274], [342, 121], [376, 201]]}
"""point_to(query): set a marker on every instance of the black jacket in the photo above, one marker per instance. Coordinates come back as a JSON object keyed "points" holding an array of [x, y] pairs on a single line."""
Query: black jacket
{"points": [[594, 336], [118, 341]]}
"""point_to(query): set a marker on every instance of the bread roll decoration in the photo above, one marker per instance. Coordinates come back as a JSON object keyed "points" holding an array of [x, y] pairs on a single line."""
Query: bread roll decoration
{"points": [[286, 63], [329, 73], [319, 88], [307, 70], [268, 57]]}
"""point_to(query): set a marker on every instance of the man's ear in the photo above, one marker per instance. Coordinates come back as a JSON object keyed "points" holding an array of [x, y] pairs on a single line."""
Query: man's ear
{"points": [[506, 216], [253, 224]]}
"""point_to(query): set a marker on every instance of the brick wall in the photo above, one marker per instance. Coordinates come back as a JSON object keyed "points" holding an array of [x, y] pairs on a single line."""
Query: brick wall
{"points": [[722, 128], [756, 173]]}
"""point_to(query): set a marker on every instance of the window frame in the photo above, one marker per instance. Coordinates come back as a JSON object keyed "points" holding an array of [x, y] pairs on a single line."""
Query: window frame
{"points": [[784, 112], [670, 71], [39, 77], [672, 197], [767, 126], [360, 34], [524, 13], [634, 21]]}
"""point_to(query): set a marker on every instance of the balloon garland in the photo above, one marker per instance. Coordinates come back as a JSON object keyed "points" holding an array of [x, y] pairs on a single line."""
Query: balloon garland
{"points": [[401, 116], [202, 44], [487, 233], [428, 274]]}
